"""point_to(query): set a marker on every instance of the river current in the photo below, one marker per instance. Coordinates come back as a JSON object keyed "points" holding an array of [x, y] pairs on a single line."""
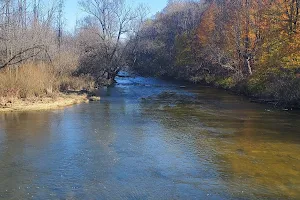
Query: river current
{"points": [[152, 139]]}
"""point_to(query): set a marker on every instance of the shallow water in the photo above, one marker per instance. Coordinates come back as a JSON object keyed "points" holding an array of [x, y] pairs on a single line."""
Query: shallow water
{"points": [[152, 139]]}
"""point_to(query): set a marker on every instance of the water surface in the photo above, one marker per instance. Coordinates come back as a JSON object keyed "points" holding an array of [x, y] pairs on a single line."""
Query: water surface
{"points": [[152, 139]]}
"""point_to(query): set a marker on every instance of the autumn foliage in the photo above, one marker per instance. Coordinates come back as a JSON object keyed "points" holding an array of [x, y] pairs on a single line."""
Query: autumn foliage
{"points": [[250, 46], [255, 33]]}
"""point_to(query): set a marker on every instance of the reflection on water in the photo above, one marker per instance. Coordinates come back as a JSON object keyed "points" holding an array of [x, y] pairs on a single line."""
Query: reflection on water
{"points": [[257, 150], [151, 139]]}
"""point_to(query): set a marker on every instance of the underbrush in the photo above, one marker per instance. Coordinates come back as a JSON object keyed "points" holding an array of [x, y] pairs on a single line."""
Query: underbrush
{"points": [[280, 87], [37, 80]]}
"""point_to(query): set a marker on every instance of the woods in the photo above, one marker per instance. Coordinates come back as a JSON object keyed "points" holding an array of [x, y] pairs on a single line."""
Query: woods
{"points": [[40, 58], [249, 46]]}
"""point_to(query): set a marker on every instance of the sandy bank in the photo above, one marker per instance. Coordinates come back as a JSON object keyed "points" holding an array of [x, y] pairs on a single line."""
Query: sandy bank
{"points": [[58, 102]]}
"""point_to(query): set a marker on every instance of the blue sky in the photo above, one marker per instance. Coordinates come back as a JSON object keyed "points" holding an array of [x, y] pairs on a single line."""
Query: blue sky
{"points": [[73, 12]]}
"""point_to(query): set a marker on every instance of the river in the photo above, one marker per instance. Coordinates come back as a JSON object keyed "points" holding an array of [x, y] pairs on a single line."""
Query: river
{"points": [[152, 139]]}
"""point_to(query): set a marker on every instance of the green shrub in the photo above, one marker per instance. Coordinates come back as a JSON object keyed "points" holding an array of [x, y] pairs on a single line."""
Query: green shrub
{"points": [[226, 83]]}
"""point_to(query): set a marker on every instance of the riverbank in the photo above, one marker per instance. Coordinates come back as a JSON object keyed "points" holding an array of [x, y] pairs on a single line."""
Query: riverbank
{"points": [[278, 99], [46, 103], [40, 86], [281, 96]]}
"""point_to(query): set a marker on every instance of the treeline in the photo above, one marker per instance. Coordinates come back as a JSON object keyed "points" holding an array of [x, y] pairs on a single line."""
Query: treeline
{"points": [[250, 46]]}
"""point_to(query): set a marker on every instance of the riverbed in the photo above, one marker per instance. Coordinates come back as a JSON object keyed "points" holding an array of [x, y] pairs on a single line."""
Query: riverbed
{"points": [[152, 139]]}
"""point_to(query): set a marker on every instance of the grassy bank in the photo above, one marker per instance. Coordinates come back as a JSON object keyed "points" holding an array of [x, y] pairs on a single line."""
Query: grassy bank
{"points": [[281, 89], [39, 86], [43, 103]]}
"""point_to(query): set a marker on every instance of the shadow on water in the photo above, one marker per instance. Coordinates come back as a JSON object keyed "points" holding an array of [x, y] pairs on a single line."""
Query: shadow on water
{"points": [[152, 139]]}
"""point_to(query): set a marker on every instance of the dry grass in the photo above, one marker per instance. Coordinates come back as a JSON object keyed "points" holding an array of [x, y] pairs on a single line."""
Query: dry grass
{"points": [[26, 81], [38, 80], [67, 82], [45, 103]]}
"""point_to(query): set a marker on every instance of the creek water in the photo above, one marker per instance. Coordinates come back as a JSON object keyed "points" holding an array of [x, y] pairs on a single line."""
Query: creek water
{"points": [[152, 139]]}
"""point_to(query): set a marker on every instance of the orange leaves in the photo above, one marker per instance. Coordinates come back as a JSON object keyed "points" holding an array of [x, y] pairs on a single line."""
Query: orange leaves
{"points": [[281, 46], [265, 31], [207, 25]]}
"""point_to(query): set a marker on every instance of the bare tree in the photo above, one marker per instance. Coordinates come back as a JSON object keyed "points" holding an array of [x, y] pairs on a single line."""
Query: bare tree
{"points": [[112, 21], [60, 22], [27, 31]]}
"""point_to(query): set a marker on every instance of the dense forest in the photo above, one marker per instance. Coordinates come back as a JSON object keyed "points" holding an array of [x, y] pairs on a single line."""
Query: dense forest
{"points": [[248, 46]]}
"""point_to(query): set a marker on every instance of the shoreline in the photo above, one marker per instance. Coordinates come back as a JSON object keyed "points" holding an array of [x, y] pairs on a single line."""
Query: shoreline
{"points": [[235, 90], [46, 103]]}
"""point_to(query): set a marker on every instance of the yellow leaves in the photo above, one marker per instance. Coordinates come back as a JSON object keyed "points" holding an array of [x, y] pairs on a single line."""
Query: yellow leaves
{"points": [[280, 49], [292, 61], [292, 58], [207, 24], [266, 30]]}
